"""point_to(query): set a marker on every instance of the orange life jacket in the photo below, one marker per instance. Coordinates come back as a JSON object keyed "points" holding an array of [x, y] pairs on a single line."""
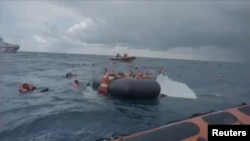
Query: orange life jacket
{"points": [[105, 83], [138, 75]]}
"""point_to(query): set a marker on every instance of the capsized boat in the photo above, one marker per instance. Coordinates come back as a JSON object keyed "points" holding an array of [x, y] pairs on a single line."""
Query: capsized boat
{"points": [[146, 88], [130, 88]]}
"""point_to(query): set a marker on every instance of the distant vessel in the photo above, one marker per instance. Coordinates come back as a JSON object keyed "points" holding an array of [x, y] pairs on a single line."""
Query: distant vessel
{"points": [[8, 48], [124, 58]]}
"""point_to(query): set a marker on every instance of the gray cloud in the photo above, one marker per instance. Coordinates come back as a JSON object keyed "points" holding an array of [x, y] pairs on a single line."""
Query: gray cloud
{"points": [[161, 25], [201, 28]]}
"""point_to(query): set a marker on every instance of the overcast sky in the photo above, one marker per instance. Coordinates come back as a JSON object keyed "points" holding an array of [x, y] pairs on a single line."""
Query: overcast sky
{"points": [[202, 30]]}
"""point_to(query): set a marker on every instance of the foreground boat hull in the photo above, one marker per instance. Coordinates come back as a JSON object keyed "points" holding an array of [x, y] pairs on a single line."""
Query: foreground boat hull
{"points": [[193, 129]]}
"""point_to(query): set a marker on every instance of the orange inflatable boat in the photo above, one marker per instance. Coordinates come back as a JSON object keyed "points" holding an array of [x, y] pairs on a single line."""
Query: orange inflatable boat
{"points": [[192, 129]]}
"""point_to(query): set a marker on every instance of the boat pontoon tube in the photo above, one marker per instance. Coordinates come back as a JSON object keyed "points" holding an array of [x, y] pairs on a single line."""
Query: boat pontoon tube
{"points": [[134, 88]]}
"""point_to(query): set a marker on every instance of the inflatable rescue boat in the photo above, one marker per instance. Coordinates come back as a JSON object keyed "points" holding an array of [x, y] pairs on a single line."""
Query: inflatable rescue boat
{"points": [[124, 59]]}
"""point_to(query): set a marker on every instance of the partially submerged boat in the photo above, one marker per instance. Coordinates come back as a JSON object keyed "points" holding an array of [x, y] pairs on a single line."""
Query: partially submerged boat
{"points": [[8, 48], [131, 88], [151, 88]]}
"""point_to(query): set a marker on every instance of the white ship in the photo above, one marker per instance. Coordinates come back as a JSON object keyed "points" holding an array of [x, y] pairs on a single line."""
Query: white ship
{"points": [[8, 48]]}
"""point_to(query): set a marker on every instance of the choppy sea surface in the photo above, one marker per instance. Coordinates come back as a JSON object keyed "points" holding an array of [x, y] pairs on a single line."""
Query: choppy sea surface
{"points": [[65, 113]]}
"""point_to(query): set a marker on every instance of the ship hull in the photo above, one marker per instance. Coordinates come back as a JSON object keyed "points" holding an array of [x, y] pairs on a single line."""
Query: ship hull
{"points": [[9, 49]]}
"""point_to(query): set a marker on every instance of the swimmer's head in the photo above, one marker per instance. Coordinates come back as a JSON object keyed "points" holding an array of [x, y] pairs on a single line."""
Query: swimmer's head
{"points": [[25, 86], [76, 82]]}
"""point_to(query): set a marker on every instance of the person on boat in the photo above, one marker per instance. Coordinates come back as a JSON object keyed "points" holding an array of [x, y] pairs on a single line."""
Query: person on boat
{"points": [[107, 79], [139, 75], [131, 76], [150, 75], [121, 75], [128, 75], [146, 76], [26, 87], [125, 55], [118, 55], [131, 72]]}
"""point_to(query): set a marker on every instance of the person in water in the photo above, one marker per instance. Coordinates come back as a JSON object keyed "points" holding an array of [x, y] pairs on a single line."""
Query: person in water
{"points": [[76, 83], [26, 87], [217, 78], [69, 75], [107, 79]]}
